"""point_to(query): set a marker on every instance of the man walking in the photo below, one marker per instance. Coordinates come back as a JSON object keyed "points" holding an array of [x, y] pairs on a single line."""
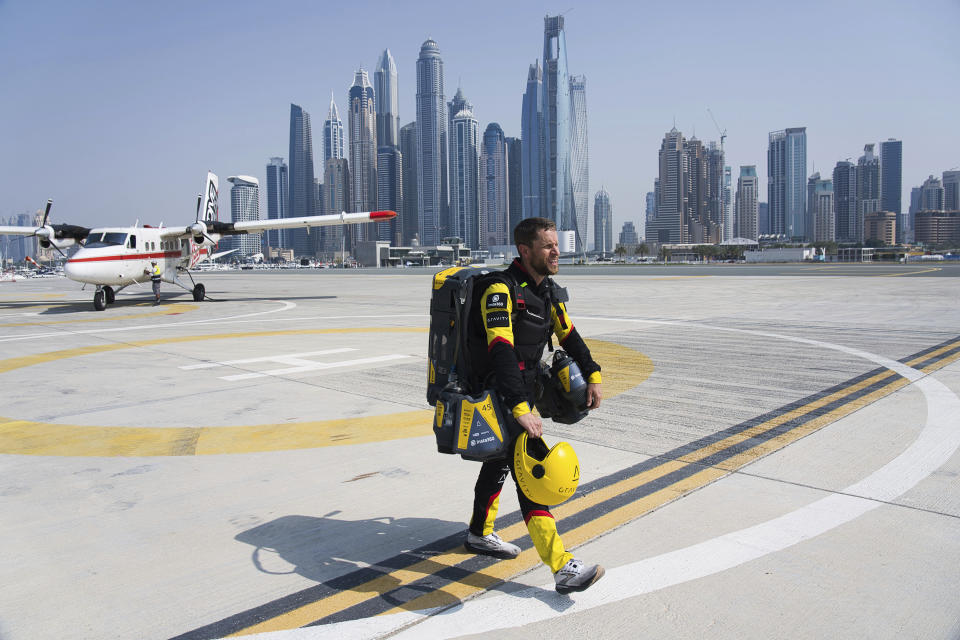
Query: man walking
{"points": [[516, 333]]}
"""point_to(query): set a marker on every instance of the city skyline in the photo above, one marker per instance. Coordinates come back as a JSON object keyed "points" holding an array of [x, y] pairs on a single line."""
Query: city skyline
{"points": [[142, 104]]}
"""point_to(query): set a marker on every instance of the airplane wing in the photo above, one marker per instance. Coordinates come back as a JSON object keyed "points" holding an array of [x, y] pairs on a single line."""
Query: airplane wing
{"points": [[219, 254], [18, 231], [202, 228], [59, 234], [253, 226]]}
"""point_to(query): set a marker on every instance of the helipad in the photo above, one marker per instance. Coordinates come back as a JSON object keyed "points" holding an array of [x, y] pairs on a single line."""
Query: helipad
{"points": [[776, 457]]}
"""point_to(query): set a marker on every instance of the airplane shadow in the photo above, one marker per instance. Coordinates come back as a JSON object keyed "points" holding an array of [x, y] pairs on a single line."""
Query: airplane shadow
{"points": [[73, 306], [268, 298], [130, 302], [354, 555]]}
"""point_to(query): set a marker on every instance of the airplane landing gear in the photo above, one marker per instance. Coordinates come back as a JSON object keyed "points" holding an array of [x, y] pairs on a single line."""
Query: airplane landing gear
{"points": [[199, 291], [98, 300], [109, 295]]}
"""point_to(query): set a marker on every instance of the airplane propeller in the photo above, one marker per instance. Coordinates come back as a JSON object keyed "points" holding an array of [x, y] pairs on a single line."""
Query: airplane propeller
{"points": [[48, 234], [46, 213]]}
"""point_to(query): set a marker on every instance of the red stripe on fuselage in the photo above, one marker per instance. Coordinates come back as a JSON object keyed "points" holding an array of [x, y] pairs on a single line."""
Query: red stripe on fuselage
{"points": [[134, 256]]}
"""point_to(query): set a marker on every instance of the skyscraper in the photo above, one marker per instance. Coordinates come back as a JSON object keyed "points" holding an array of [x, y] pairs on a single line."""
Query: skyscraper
{"points": [[951, 190], [531, 140], [912, 212], [786, 181], [670, 224], [602, 222], [336, 190], [410, 217], [514, 184], [868, 183], [715, 212], [333, 134], [245, 207], [276, 201], [696, 219], [494, 188], [748, 194], [301, 185], [556, 115], [628, 234], [363, 151], [891, 183], [431, 145], [579, 158], [388, 101], [464, 177], [932, 195], [651, 210], [848, 224], [390, 193], [820, 201], [456, 105], [728, 223]]}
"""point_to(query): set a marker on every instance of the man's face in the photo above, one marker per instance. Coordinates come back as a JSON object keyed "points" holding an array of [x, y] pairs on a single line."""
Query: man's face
{"points": [[543, 256]]}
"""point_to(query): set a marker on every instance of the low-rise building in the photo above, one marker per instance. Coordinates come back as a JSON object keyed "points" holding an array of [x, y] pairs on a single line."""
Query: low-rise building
{"points": [[880, 226], [937, 227]]}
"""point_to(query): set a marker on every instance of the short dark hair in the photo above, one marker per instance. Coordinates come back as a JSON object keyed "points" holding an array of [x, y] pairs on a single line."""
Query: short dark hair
{"points": [[528, 228]]}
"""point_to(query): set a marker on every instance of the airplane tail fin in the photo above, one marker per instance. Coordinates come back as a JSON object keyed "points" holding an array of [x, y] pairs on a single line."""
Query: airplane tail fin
{"points": [[207, 208]]}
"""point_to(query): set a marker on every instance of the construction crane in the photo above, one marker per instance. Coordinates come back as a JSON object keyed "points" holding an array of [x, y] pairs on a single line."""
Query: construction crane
{"points": [[723, 134]]}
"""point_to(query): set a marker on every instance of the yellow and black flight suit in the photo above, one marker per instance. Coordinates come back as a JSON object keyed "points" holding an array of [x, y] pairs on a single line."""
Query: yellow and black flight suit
{"points": [[516, 334]]}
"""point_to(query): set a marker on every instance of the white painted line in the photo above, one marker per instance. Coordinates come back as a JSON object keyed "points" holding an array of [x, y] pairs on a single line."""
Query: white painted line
{"points": [[285, 306], [937, 442], [309, 366], [287, 358]]}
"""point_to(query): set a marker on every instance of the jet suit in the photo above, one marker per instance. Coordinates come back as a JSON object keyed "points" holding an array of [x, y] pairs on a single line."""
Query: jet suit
{"points": [[517, 330]]}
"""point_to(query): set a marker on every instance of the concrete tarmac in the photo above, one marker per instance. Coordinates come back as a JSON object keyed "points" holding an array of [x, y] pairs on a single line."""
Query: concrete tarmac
{"points": [[776, 456]]}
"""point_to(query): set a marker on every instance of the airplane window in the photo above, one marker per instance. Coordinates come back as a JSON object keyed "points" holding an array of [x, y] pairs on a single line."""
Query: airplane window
{"points": [[106, 239], [133, 242]]}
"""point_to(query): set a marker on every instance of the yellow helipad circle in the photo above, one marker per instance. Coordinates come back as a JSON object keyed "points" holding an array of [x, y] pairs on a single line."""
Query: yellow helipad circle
{"points": [[623, 368]]}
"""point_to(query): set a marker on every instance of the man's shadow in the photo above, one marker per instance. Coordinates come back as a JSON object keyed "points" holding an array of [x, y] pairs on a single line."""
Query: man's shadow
{"points": [[363, 556]]}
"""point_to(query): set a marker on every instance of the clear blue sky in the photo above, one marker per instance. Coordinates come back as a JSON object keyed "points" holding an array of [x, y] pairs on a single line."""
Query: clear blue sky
{"points": [[116, 109]]}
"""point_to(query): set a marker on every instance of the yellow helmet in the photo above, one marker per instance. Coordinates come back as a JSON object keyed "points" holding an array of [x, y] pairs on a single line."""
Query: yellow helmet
{"points": [[546, 476]]}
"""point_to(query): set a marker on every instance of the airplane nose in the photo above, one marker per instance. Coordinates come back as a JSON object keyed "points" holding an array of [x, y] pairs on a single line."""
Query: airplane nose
{"points": [[78, 271]]}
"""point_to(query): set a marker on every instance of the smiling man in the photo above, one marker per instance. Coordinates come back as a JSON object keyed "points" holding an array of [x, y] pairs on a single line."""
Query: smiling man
{"points": [[519, 314]]}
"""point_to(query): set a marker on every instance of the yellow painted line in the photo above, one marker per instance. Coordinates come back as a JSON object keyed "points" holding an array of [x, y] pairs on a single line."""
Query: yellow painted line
{"points": [[679, 277], [166, 310], [49, 296], [940, 364], [456, 591], [933, 354], [624, 368], [905, 273], [793, 414]]}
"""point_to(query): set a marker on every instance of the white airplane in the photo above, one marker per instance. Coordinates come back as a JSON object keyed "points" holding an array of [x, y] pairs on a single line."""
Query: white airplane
{"points": [[113, 258]]}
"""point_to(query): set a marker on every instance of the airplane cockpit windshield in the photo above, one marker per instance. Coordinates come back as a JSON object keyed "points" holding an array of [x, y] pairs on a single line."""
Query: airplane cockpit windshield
{"points": [[106, 239]]}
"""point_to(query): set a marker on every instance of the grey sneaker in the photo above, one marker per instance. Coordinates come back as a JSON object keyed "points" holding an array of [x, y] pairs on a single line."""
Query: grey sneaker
{"points": [[491, 545], [576, 576]]}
